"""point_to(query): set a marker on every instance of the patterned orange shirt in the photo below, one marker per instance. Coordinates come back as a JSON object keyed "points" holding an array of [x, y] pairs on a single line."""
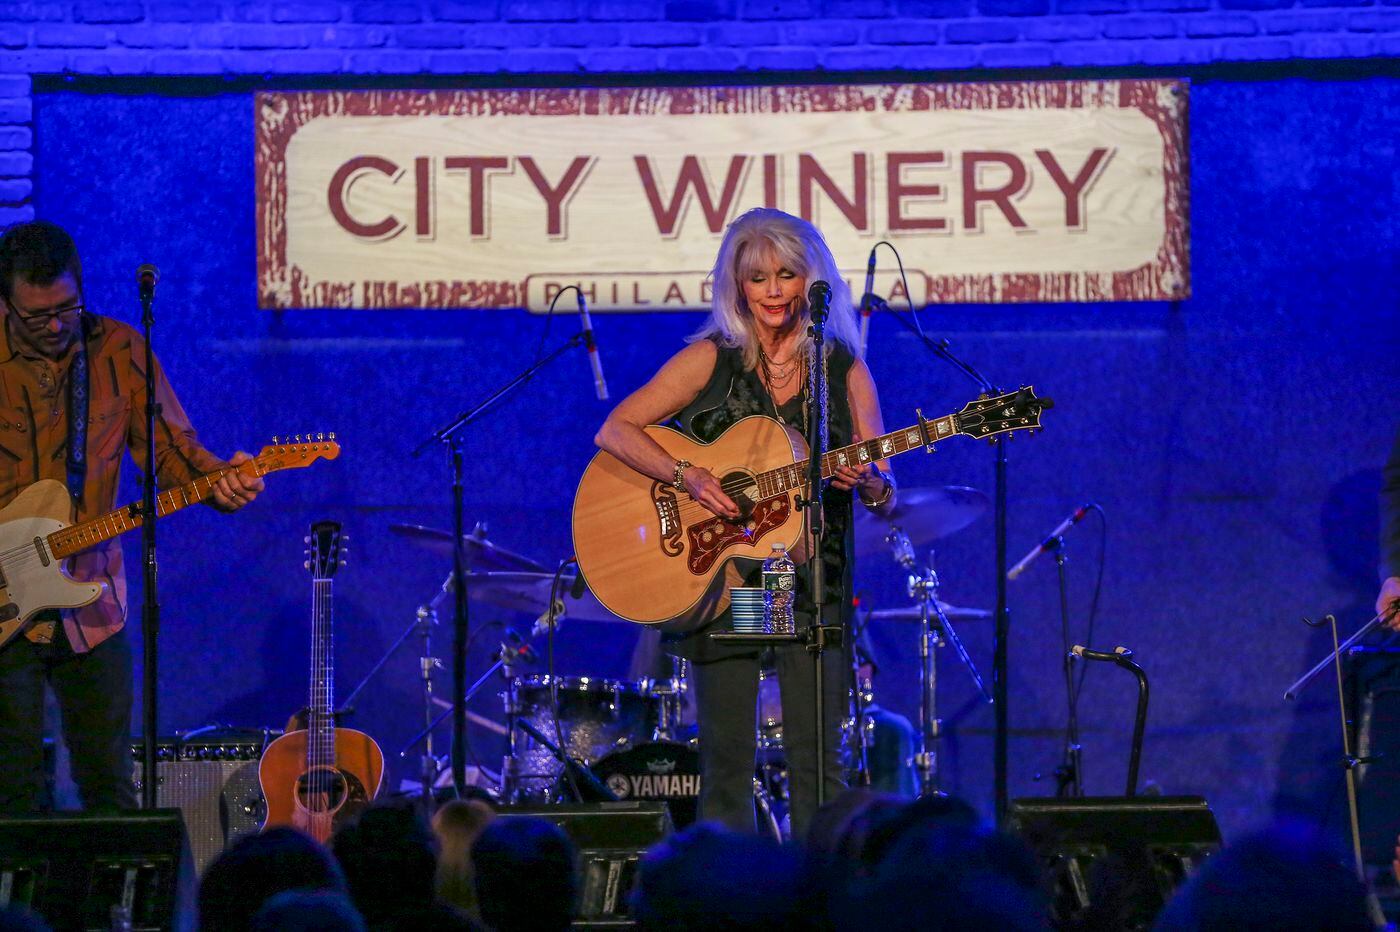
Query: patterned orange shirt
{"points": [[34, 446]]}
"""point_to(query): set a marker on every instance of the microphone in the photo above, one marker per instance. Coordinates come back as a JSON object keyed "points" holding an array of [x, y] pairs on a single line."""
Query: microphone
{"points": [[819, 300], [1048, 543], [146, 278], [866, 304], [591, 345]]}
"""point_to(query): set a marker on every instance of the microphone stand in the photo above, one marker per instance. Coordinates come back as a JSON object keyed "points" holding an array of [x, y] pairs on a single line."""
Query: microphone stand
{"points": [[1070, 774], [940, 349], [821, 635], [150, 608], [449, 436]]}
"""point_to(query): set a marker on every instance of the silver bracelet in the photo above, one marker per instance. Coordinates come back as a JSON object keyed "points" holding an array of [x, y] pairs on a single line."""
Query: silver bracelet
{"points": [[678, 483], [889, 490]]}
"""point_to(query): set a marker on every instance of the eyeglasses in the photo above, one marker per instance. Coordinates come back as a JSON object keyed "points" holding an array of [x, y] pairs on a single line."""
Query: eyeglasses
{"points": [[43, 317]]}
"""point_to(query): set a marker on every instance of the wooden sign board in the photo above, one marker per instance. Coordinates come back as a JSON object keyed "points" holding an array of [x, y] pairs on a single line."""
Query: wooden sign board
{"points": [[995, 192]]}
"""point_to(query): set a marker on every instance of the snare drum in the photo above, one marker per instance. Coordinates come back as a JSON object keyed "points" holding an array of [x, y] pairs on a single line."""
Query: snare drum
{"points": [[596, 717]]}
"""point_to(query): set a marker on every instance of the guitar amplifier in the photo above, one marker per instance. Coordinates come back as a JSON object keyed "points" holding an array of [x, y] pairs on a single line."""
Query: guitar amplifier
{"points": [[214, 783]]}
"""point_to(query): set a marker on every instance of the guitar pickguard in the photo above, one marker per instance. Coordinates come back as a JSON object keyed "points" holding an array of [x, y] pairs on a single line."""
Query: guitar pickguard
{"points": [[710, 539]]}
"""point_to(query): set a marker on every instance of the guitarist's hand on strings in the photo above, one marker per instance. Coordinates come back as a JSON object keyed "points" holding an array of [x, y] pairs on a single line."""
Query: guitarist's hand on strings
{"points": [[705, 489], [234, 488]]}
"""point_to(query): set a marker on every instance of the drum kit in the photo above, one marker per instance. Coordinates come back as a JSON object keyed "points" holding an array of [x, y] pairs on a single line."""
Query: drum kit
{"points": [[633, 735]]}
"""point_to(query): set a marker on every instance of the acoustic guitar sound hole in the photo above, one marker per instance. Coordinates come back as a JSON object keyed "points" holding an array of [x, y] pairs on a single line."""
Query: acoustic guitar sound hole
{"points": [[326, 789], [742, 488]]}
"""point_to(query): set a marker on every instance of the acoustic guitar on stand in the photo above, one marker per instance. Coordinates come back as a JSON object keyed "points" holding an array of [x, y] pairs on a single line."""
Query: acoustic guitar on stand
{"points": [[36, 535], [316, 777], [652, 555]]}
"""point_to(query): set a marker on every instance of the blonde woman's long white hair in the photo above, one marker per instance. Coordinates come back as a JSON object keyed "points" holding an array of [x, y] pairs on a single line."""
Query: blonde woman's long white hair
{"points": [[755, 237]]}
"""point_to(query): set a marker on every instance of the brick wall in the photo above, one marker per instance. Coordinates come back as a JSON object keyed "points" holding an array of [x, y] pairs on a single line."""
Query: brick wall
{"points": [[478, 37]]}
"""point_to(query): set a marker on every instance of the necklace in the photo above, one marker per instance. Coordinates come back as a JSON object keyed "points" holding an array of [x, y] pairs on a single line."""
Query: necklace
{"points": [[779, 375]]}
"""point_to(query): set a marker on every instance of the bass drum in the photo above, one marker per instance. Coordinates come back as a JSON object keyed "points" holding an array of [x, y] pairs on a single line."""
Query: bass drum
{"points": [[658, 771]]}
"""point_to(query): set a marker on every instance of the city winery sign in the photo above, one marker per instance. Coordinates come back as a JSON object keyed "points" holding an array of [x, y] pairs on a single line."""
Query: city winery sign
{"points": [[994, 192]]}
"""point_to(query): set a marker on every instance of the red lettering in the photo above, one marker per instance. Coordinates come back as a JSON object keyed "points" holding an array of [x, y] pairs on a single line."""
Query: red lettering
{"points": [[673, 292], [973, 196], [345, 176], [692, 177], [423, 197], [771, 180], [1074, 191], [856, 208], [897, 190], [558, 196], [477, 167]]}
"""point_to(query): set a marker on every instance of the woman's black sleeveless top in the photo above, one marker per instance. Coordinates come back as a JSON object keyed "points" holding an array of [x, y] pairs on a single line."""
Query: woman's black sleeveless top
{"points": [[732, 393]]}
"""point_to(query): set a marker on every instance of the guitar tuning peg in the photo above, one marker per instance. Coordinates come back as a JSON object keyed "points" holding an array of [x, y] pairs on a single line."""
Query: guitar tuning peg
{"points": [[306, 539], [307, 566], [332, 435], [298, 438], [274, 440], [320, 436]]}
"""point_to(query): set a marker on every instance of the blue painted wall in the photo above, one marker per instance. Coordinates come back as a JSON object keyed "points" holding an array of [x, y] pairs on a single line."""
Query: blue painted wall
{"points": [[1234, 441]]}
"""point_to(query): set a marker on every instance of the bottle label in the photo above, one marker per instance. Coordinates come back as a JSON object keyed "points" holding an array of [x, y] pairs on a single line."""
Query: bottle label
{"points": [[779, 581]]}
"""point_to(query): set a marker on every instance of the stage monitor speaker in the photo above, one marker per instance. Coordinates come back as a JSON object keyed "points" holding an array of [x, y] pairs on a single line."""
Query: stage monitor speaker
{"points": [[73, 868], [215, 784], [611, 838], [1135, 850]]}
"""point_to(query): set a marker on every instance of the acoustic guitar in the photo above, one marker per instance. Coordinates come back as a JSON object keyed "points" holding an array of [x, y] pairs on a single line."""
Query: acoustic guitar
{"points": [[313, 779], [36, 535], [654, 556]]}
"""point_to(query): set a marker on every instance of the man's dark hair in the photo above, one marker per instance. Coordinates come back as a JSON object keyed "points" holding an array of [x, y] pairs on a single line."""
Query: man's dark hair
{"points": [[709, 877], [257, 868], [38, 253], [526, 877], [389, 856]]}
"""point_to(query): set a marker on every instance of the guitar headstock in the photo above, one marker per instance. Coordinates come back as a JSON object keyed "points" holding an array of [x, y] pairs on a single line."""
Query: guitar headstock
{"points": [[987, 418], [297, 452], [326, 549]]}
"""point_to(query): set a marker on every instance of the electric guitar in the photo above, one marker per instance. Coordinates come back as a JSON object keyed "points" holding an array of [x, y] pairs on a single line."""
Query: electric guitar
{"points": [[312, 779], [654, 556], [36, 535]]}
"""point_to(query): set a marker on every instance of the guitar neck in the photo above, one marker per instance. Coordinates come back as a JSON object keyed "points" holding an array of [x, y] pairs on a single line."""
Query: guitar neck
{"points": [[77, 537], [786, 478], [320, 720]]}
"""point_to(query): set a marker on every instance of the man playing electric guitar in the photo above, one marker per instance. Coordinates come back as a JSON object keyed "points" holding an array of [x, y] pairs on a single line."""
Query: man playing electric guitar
{"points": [[66, 373]]}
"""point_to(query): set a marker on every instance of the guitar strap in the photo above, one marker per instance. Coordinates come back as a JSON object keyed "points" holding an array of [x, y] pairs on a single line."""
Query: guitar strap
{"points": [[78, 414], [44, 626]]}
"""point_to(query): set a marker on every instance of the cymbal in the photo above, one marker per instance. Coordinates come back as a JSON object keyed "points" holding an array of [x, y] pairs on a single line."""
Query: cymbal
{"points": [[924, 514], [529, 593], [912, 613], [481, 553]]}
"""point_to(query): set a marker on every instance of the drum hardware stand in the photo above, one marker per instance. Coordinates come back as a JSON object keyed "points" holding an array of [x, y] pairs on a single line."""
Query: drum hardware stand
{"points": [[505, 663], [450, 436], [1349, 762], [935, 630], [671, 691], [423, 621]]}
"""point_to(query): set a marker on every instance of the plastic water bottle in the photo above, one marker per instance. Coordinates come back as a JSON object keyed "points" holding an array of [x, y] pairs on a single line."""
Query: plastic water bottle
{"points": [[779, 590]]}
